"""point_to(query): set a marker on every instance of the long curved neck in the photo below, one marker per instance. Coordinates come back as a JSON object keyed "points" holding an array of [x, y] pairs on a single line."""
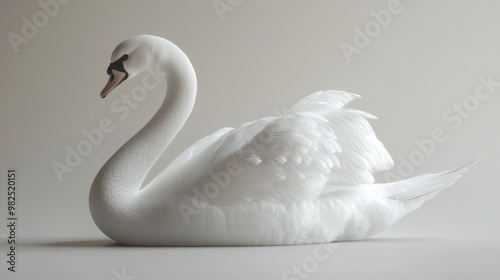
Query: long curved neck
{"points": [[121, 177]]}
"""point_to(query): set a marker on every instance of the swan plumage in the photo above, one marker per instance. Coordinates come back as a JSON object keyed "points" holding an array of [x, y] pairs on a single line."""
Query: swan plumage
{"points": [[303, 177]]}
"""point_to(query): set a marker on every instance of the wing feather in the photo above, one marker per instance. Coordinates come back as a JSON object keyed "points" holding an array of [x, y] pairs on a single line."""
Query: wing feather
{"points": [[316, 147]]}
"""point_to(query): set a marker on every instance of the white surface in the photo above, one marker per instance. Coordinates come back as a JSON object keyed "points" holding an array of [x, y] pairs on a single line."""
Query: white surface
{"points": [[384, 257], [428, 58]]}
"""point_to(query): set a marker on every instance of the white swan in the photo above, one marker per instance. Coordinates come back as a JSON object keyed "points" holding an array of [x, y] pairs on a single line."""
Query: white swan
{"points": [[304, 177]]}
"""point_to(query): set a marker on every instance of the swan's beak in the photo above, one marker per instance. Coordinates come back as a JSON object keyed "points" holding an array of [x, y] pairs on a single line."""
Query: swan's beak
{"points": [[115, 78]]}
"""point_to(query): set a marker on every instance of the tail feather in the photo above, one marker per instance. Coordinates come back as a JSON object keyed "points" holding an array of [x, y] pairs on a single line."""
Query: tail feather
{"points": [[422, 185]]}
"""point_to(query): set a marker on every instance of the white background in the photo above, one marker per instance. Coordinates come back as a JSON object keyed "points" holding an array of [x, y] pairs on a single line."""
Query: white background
{"points": [[253, 59]]}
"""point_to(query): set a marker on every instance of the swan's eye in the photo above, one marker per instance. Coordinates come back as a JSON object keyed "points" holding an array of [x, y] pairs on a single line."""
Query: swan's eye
{"points": [[117, 65]]}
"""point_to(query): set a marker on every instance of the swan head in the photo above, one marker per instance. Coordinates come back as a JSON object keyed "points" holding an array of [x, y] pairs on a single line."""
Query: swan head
{"points": [[129, 58]]}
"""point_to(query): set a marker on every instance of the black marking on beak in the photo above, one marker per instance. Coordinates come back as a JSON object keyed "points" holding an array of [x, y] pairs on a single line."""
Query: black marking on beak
{"points": [[117, 65]]}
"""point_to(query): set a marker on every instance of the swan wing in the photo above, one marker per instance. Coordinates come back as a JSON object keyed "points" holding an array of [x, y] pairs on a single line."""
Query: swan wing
{"points": [[317, 147], [199, 146]]}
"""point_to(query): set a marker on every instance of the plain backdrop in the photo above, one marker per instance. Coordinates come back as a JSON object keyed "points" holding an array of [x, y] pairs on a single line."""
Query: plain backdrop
{"points": [[419, 65]]}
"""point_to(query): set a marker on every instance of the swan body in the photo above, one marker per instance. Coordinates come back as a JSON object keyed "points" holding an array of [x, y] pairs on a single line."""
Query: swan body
{"points": [[304, 177]]}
